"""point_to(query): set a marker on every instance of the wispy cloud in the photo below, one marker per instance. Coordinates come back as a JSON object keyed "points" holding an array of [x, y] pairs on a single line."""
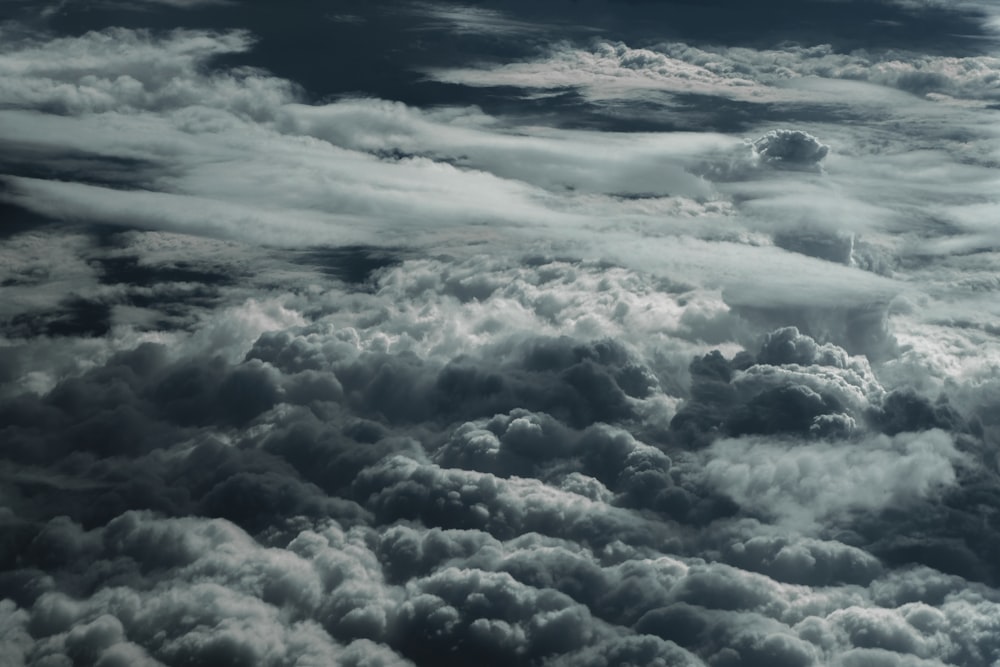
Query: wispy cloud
{"points": [[470, 20]]}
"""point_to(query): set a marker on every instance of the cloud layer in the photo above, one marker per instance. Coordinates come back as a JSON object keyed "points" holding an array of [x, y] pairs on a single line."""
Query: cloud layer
{"points": [[405, 477], [505, 379]]}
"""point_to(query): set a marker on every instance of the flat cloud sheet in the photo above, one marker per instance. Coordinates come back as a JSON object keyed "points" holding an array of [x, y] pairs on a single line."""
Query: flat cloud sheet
{"points": [[502, 333]]}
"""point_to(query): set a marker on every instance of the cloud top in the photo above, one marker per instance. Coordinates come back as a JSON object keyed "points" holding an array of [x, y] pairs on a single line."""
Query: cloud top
{"points": [[789, 149]]}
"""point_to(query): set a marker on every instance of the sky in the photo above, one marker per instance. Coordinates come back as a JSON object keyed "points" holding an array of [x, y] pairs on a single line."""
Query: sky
{"points": [[584, 333]]}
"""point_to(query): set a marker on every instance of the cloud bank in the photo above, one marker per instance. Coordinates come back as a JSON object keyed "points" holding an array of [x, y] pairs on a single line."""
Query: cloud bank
{"points": [[500, 379]]}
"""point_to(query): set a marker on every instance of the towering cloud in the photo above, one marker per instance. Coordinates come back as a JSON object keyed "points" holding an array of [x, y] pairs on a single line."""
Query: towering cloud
{"points": [[789, 149]]}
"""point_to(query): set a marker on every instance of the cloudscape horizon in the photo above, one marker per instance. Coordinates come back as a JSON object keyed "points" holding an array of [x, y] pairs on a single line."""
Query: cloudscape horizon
{"points": [[590, 333]]}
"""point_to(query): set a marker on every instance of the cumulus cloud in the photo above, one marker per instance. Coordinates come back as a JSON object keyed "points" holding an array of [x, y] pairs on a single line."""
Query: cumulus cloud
{"points": [[118, 68], [808, 483], [969, 77], [288, 379], [359, 186], [361, 529], [606, 70], [789, 149], [615, 70], [793, 385]]}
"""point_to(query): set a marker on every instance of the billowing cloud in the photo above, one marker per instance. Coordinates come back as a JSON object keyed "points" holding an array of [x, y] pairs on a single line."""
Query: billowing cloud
{"points": [[815, 481], [356, 526], [489, 371], [789, 149], [610, 70], [607, 70]]}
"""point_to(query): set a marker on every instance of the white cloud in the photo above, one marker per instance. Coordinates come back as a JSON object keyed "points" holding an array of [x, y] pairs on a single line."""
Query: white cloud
{"points": [[792, 75], [589, 162], [469, 20], [214, 170], [606, 71], [809, 484], [120, 68]]}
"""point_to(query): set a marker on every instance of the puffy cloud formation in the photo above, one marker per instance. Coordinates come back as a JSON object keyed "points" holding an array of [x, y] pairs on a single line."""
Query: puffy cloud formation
{"points": [[289, 378], [615, 70], [939, 77], [362, 485], [606, 70], [794, 385], [796, 481], [789, 149], [118, 68]]}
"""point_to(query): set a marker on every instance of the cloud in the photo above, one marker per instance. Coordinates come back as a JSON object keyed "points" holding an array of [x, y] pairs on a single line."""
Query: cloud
{"points": [[120, 68], [558, 161], [968, 77], [789, 149], [524, 533], [461, 584], [807, 483], [793, 386], [614, 70], [607, 70], [468, 20], [548, 185], [293, 379]]}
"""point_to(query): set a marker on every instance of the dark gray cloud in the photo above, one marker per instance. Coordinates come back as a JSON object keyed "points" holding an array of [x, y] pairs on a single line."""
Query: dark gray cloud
{"points": [[277, 501], [793, 385]]}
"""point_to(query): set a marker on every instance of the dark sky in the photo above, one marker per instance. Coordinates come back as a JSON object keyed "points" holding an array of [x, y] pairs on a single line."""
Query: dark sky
{"points": [[577, 333]]}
